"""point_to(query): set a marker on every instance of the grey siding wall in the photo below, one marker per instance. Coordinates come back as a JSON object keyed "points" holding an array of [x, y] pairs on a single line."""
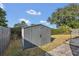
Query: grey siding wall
{"points": [[45, 35], [36, 39], [4, 38]]}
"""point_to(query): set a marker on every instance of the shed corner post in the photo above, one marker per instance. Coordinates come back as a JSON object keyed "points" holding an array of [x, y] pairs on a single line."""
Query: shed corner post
{"points": [[22, 30]]}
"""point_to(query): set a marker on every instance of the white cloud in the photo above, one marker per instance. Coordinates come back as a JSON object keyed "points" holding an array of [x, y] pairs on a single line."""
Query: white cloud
{"points": [[27, 21], [33, 12], [44, 22], [48, 24], [1, 6]]}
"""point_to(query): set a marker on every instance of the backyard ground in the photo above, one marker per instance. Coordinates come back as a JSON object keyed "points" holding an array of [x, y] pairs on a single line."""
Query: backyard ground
{"points": [[15, 48]]}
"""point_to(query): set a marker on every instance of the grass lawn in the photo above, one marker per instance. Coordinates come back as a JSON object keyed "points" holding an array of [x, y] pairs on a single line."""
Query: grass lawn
{"points": [[15, 46]]}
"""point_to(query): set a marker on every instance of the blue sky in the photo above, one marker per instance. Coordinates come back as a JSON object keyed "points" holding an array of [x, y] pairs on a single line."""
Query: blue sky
{"points": [[31, 13]]}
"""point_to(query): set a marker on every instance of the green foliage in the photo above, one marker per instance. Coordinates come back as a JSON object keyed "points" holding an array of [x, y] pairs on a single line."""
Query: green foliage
{"points": [[3, 18], [65, 29], [16, 31], [61, 30], [68, 15], [55, 31], [20, 24]]}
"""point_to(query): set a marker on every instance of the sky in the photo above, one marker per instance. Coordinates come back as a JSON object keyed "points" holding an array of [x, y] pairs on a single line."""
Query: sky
{"points": [[31, 13]]}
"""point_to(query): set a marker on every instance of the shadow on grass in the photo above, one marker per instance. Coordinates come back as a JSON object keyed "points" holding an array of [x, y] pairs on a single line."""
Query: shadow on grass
{"points": [[15, 49], [52, 39], [34, 50]]}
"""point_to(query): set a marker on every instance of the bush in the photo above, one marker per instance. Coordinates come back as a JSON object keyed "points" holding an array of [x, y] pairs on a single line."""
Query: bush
{"points": [[61, 30], [16, 33]]}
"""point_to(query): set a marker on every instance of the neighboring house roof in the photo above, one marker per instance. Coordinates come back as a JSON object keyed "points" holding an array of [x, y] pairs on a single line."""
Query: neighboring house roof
{"points": [[75, 42]]}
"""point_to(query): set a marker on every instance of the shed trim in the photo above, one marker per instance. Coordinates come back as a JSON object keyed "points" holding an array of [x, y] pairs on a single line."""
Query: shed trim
{"points": [[36, 25]]}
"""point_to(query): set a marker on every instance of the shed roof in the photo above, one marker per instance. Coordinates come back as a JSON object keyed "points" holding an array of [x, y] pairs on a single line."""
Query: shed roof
{"points": [[35, 25]]}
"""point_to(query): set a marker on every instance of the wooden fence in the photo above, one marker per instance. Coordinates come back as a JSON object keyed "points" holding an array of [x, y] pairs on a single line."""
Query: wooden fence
{"points": [[4, 38]]}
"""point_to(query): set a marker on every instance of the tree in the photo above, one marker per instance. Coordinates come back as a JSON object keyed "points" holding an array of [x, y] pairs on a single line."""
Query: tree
{"points": [[16, 31], [3, 21], [20, 24], [68, 15]]}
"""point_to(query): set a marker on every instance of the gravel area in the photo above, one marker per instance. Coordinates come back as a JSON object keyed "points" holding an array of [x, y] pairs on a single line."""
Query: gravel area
{"points": [[62, 50]]}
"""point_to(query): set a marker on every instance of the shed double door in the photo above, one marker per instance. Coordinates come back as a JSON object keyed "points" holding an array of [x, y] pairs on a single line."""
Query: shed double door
{"points": [[32, 37], [29, 38]]}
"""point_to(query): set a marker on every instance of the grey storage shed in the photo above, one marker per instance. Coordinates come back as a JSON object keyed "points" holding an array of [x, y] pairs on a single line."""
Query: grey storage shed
{"points": [[4, 38], [35, 35]]}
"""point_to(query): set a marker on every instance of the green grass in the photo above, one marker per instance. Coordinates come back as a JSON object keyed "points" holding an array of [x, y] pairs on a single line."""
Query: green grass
{"points": [[14, 49]]}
